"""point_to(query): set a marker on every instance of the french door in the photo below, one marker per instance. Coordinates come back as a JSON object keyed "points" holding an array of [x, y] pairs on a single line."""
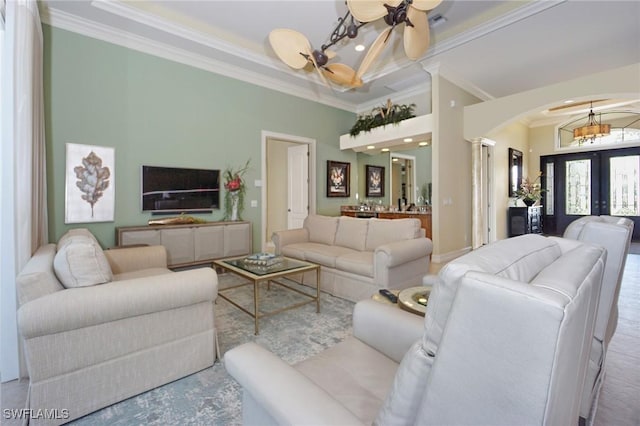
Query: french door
{"points": [[590, 183]]}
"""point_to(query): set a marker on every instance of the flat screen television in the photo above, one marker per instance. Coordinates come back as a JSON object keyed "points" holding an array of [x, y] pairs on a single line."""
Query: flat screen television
{"points": [[177, 190]]}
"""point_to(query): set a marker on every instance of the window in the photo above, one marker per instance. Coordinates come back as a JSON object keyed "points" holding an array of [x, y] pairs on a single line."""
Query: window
{"points": [[625, 129]]}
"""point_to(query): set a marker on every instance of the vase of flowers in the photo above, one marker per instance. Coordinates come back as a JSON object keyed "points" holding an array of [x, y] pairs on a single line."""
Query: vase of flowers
{"points": [[234, 197], [530, 191]]}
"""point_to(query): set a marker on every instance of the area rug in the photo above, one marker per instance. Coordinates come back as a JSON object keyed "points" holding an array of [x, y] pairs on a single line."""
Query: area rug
{"points": [[213, 397]]}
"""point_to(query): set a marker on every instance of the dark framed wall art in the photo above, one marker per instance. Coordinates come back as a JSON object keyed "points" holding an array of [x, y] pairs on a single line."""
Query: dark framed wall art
{"points": [[375, 181], [338, 176]]}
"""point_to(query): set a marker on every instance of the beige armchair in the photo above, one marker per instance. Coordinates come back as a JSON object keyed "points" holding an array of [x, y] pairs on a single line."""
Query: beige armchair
{"points": [[90, 346], [505, 340]]}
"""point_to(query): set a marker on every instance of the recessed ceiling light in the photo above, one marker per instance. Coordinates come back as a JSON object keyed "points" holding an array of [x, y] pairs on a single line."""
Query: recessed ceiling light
{"points": [[569, 101], [423, 143], [359, 47], [408, 139], [385, 149], [371, 147], [394, 159]]}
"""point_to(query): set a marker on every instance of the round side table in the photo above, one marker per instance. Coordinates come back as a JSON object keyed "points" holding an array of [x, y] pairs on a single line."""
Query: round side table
{"points": [[414, 299]]}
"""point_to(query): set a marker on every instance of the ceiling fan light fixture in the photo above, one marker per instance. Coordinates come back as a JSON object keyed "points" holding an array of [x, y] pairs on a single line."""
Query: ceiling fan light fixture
{"points": [[592, 129], [352, 29], [295, 50]]}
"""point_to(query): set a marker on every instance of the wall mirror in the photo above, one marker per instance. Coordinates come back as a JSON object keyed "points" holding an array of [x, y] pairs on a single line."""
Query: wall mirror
{"points": [[403, 178], [515, 171]]}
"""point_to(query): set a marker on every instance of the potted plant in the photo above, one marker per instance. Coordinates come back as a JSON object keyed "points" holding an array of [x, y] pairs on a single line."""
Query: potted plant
{"points": [[234, 197], [530, 191]]}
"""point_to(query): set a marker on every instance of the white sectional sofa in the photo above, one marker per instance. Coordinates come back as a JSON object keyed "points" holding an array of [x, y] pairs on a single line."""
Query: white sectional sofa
{"points": [[614, 234], [359, 256], [505, 341]]}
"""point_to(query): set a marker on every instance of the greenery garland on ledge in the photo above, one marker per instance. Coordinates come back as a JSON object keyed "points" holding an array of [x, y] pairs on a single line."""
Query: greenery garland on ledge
{"points": [[381, 116]]}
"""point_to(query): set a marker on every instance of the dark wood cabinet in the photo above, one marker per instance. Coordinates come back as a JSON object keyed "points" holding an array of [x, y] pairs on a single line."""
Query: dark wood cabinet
{"points": [[525, 220]]}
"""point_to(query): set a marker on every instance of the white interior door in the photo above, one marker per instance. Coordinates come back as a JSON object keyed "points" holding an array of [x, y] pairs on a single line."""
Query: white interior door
{"points": [[297, 185]]}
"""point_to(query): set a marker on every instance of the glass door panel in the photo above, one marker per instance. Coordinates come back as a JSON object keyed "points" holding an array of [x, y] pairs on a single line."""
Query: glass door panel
{"points": [[549, 203], [624, 183], [578, 187]]}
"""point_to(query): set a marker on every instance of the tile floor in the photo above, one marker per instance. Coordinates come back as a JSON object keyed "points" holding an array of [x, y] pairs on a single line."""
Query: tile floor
{"points": [[619, 402]]}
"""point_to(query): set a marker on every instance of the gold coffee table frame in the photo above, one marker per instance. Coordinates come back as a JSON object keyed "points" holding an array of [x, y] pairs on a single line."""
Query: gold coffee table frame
{"points": [[257, 275]]}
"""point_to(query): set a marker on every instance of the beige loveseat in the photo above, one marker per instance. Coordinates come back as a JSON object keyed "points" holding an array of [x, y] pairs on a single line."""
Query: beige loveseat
{"points": [[123, 324], [359, 256]]}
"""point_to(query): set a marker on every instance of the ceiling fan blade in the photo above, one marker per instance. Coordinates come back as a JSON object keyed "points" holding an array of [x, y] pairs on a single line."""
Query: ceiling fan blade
{"points": [[416, 38], [370, 10], [290, 46], [374, 51], [342, 74], [425, 5]]}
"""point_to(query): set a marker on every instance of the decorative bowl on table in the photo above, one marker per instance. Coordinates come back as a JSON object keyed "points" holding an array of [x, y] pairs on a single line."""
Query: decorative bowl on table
{"points": [[263, 259], [414, 299]]}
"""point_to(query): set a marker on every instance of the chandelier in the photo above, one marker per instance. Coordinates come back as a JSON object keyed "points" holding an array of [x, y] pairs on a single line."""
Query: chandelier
{"points": [[591, 130]]}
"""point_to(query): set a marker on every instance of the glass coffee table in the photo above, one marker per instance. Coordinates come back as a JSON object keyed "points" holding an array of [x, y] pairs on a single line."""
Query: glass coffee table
{"points": [[257, 274]]}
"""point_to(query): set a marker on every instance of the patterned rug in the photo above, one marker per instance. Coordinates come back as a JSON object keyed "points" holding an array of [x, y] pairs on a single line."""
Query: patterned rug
{"points": [[211, 396]]}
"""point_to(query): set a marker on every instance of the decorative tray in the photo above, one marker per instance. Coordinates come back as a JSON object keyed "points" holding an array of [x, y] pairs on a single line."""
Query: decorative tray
{"points": [[263, 259], [415, 299]]}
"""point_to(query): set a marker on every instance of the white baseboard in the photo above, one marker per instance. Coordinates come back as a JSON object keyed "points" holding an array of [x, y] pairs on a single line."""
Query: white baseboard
{"points": [[448, 257]]}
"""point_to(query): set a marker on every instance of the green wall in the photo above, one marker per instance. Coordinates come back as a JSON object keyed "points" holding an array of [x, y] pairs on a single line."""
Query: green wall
{"points": [[158, 112]]}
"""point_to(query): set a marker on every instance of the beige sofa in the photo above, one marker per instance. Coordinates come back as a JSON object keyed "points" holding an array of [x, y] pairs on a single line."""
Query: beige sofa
{"points": [[123, 324], [359, 256], [505, 341]]}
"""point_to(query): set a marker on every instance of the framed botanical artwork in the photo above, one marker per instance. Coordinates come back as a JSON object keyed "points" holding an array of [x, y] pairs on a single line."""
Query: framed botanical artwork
{"points": [[89, 184], [338, 175], [375, 181]]}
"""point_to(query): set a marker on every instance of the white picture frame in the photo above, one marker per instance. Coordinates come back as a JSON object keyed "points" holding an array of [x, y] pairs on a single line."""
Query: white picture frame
{"points": [[89, 184]]}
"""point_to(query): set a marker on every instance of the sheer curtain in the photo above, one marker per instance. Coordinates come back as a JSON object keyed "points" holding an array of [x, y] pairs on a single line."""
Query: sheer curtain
{"points": [[23, 212]]}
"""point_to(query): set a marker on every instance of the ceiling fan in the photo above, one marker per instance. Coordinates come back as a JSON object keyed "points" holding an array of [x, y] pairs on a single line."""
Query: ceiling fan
{"points": [[295, 50]]}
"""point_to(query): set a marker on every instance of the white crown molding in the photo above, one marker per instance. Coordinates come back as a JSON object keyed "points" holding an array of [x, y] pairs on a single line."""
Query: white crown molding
{"points": [[109, 34], [438, 69], [140, 16], [531, 8], [464, 37]]}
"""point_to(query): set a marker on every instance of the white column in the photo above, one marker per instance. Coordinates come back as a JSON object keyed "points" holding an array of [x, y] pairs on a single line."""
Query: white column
{"points": [[477, 199]]}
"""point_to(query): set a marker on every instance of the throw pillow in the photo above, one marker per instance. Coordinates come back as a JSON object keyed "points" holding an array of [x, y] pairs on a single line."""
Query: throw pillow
{"points": [[385, 231], [322, 229], [352, 233], [80, 262]]}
